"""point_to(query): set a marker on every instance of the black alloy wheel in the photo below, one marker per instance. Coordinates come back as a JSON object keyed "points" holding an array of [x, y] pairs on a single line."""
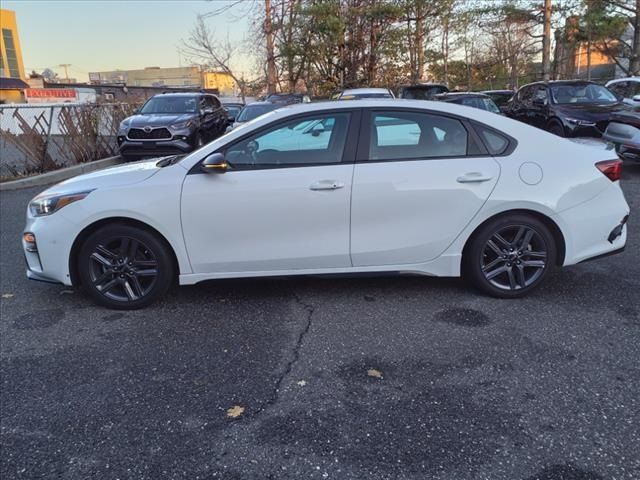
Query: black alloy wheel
{"points": [[125, 267], [510, 255]]}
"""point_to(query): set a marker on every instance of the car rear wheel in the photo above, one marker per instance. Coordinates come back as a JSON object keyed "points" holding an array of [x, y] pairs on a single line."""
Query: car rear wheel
{"points": [[510, 255], [125, 267]]}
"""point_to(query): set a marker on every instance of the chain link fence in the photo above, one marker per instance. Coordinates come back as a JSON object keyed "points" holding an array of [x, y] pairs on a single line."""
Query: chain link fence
{"points": [[40, 138]]}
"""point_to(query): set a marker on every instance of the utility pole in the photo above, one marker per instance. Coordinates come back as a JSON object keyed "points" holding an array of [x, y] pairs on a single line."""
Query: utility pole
{"points": [[546, 42], [66, 72], [271, 61]]}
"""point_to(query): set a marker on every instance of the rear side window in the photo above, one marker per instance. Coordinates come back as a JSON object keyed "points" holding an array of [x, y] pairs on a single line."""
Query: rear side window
{"points": [[412, 135], [496, 143]]}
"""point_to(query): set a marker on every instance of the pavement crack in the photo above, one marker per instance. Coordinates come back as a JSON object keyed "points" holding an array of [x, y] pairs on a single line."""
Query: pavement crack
{"points": [[294, 357]]}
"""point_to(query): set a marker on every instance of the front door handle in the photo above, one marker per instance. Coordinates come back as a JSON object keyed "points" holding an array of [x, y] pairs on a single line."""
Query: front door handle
{"points": [[326, 185], [473, 177]]}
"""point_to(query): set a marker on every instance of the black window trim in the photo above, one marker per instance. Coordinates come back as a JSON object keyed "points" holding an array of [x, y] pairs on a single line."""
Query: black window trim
{"points": [[511, 145], [362, 155], [348, 154]]}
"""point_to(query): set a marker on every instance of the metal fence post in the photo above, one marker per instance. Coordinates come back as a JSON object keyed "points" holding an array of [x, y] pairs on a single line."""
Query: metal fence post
{"points": [[46, 141]]}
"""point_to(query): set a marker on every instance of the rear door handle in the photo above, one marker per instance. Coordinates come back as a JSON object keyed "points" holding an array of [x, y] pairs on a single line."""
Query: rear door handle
{"points": [[473, 177], [326, 185]]}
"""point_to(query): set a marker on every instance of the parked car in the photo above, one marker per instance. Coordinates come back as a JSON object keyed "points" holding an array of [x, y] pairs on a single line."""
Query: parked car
{"points": [[624, 133], [469, 99], [628, 89], [422, 91], [252, 111], [567, 108], [500, 97], [171, 123], [233, 109], [287, 98], [433, 188], [360, 93]]}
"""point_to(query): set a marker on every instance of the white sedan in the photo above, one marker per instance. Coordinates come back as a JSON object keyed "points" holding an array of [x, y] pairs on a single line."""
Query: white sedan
{"points": [[405, 186]]}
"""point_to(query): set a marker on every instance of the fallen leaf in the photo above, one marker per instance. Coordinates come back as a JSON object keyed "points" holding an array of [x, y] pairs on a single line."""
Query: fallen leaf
{"points": [[235, 411], [7, 295], [66, 292], [302, 383], [372, 372]]}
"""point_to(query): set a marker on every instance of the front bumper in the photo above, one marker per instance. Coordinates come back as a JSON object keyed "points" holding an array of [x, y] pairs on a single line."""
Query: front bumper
{"points": [[182, 141], [625, 138]]}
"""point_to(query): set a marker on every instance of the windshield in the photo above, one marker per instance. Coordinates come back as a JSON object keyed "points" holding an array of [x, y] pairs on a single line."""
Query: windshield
{"points": [[233, 110], [581, 93], [252, 111], [169, 105], [501, 99], [423, 93]]}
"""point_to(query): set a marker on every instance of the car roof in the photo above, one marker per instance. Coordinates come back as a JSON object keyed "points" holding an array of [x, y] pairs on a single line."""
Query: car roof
{"points": [[486, 92], [523, 132], [424, 85], [462, 95], [181, 94], [262, 102], [625, 79], [561, 82], [355, 91]]}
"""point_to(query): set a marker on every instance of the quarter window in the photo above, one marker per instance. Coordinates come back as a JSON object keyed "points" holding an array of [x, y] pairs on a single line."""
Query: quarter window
{"points": [[412, 135], [308, 141], [496, 144]]}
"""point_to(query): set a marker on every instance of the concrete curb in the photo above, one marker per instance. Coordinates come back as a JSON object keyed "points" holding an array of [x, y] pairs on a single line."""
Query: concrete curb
{"points": [[59, 175]]}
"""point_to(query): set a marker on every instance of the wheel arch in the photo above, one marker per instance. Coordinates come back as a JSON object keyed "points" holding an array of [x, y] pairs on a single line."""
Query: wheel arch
{"points": [[553, 227], [89, 229]]}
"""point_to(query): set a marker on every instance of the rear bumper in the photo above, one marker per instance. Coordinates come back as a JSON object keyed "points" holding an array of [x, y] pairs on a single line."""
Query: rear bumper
{"points": [[595, 228]]}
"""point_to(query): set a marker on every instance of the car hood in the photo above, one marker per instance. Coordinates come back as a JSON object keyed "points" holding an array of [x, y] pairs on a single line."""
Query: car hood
{"points": [[158, 120], [592, 112], [109, 177]]}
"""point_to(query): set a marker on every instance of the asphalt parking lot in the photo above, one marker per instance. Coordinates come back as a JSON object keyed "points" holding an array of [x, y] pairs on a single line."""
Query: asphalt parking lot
{"points": [[358, 378]]}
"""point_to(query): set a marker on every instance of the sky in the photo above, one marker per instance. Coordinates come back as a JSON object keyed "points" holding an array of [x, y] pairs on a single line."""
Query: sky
{"points": [[100, 35]]}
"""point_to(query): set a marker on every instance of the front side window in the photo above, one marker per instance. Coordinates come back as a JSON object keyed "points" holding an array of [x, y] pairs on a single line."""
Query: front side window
{"points": [[619, 88], [313, 140], [412, 135], [481, 103]]}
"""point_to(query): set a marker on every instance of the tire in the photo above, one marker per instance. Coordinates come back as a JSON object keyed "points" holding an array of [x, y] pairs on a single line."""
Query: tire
{"points": [[125, 267], [198, 141], [556, 128], [510, 256]]}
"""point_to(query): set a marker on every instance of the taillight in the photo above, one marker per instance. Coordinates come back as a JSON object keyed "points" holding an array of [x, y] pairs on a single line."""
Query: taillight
{"points": [[612, 169]]}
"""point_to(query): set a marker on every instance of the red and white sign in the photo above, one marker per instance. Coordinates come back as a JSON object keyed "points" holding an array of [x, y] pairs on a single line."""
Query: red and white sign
{"points": [[51, 95]]}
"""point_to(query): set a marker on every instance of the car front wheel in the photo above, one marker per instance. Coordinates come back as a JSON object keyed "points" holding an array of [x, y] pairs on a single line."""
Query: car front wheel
{"points": [[125, 267], [510, 255], [556, 128]]}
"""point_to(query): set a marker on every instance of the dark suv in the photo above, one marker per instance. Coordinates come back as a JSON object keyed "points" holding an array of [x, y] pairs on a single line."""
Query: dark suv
{"points": [[171, 123], [568, 108]]}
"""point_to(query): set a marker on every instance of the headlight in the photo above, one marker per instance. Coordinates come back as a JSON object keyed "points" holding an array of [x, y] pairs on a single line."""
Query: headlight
{"points": [[182, 125], [125, 123], [580, 123], [46, 205]]}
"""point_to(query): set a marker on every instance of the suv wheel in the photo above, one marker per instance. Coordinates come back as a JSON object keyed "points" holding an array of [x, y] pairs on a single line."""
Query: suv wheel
{"points": [[556, 128], [125, 267], [510, 256]]}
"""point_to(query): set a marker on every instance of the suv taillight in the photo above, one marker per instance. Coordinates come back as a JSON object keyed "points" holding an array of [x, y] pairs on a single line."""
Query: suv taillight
{"points": [[612, 169]]}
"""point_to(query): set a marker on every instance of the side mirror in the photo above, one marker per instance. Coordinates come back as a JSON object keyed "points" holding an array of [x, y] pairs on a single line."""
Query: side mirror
{"points": [[136, 111], [215, 163]]}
